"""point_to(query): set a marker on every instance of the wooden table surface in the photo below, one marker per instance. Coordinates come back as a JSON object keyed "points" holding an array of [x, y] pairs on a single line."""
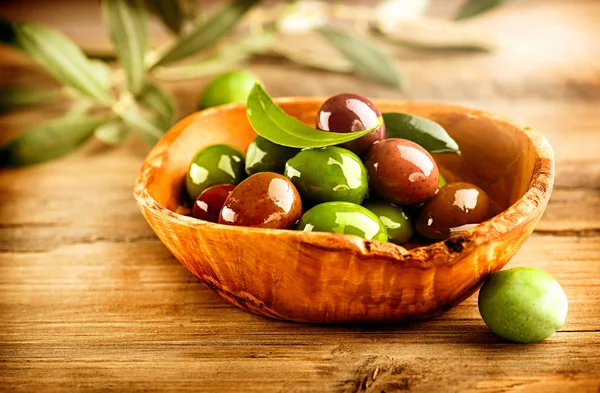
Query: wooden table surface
{"points": [[91, 300]]}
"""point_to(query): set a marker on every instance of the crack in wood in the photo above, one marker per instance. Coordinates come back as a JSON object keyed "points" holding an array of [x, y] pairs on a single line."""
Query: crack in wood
{"points": [[376, 375]]}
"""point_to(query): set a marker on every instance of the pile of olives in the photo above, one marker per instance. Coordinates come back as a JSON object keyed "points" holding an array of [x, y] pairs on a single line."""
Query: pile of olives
{"points": [[365, 187]]}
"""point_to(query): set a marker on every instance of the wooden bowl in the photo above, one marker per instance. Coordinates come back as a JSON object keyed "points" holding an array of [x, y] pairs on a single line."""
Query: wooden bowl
{"points": [[331, 278]]}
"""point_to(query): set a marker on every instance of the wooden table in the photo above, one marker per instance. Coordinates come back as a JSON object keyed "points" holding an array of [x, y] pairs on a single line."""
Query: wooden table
{"points": [[90, 299]]}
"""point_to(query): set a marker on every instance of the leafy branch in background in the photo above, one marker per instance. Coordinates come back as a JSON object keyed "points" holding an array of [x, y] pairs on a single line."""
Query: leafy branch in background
{"points": [[111, 103]]}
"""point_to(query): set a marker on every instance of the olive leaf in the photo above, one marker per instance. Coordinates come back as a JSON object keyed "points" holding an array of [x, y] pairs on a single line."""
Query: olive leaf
{"points": [[228, 58], [49, 140], [103, 72], [156, 99], [128, 30], [61, 58], [12, 98], [314, 60], [78, 109], [208, 32], [475, 7], [170, 12], [429, 33], [193, 10], [368, 59], [427, 133], [272, 123], [145, 125], [112, 132]]}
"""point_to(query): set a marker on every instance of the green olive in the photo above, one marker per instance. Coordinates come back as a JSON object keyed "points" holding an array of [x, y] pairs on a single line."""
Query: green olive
{"points": [[228, 88], [328, 174], [396, 222], [345, 218], [266, 156], [523, 304], [215, 164]]}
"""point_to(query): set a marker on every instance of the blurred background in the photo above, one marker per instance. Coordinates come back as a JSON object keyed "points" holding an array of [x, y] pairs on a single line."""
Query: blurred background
{"points": [[534, 60]]}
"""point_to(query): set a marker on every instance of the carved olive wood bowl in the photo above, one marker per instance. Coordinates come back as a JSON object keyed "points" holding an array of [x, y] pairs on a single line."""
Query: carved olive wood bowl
{"points": [[331, 278]]}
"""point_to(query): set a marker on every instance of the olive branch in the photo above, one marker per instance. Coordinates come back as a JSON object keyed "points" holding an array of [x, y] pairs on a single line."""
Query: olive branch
{"points": [[111, 103]]}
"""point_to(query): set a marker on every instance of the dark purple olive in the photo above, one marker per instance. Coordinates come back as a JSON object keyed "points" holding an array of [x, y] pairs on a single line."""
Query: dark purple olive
{"points": [[209, 203], [401, 171], [266, 200], [455, 207], [350, 113]]}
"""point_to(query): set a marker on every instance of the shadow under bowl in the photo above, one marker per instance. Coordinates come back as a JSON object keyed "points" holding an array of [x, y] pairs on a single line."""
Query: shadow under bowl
{"points": [[330, 278]]}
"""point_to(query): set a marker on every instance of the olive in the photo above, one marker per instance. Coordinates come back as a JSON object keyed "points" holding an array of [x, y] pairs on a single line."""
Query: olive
{"points": [[210, 202], [328, 174], [401, 171], [215, 164], [452, 209], [396, 222], [266, 156], [350, 113], [523, 304], [345, 218], [227, 88], [266, 200]]}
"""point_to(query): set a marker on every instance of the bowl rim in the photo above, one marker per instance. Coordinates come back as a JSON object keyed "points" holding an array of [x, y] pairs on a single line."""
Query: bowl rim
{"points": [[533, 200]]}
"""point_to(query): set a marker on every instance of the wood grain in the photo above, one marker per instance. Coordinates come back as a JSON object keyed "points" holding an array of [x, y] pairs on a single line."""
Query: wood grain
{"points": [[90, 300]]}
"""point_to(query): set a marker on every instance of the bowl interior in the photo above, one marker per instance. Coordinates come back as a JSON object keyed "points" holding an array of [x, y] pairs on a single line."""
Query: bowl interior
{"points": [[496, 155]]}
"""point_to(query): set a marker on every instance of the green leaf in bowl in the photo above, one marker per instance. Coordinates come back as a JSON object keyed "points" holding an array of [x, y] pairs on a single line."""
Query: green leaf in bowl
{"points": [[427, 133], [272, 123]]}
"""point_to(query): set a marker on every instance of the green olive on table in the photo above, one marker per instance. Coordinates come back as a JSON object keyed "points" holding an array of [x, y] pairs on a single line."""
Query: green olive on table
{"points": [[345, 218], [328, 174], [523, 304], [398, 226], [265, 156], [228, 88], [215, 164]]}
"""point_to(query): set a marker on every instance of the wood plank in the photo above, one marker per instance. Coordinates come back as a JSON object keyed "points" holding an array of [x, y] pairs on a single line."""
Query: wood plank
{"points": [[71, 318]]}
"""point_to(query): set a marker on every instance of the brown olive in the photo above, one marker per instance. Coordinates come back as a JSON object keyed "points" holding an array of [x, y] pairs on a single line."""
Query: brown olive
{"points": [[455, 207], [401, 171], [209, 203], [350, 113], [266, 200]]}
